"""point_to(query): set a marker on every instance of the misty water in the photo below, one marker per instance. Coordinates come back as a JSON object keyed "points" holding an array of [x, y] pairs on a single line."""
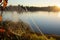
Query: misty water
{"points": [[48, 22]]}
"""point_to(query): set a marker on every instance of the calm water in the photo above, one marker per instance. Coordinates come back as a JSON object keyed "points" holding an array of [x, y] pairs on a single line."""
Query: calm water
{"points": [[48, 22]]}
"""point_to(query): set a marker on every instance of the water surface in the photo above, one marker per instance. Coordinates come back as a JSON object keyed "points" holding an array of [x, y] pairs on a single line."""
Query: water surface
{"points": [[48, 22]]}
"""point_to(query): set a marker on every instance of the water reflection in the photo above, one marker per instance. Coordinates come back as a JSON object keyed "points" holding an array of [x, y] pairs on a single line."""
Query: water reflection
{"points": [[49, 22]]}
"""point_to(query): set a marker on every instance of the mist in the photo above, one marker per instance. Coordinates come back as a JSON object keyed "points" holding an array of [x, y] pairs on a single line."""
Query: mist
{"points": [[12, 16]]}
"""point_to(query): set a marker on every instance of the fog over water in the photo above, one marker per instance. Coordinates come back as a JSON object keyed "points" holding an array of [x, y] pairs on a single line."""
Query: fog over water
{"points": [[48, 22], [11, 16]]}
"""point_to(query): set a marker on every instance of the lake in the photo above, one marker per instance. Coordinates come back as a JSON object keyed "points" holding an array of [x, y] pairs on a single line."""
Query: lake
{"points": [[47, 22]]}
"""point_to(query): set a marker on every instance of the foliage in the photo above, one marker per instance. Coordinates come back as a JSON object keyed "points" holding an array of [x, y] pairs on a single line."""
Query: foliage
{"points": [[20, 31], [51, 38]]}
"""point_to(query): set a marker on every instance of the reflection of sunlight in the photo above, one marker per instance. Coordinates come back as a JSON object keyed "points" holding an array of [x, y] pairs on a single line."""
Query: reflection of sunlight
{"points": [[58, 14]]}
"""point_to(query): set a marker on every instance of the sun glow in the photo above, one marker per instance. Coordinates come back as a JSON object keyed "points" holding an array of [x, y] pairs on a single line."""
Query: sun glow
{"points": [[58, 5]]}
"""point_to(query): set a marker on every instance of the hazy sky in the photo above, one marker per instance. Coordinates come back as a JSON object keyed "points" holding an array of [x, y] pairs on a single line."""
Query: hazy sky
{"points": [[34, 2]]}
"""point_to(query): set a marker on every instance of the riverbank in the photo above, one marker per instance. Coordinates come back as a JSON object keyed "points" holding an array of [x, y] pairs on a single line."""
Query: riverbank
{"points": [[21, 8]]}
